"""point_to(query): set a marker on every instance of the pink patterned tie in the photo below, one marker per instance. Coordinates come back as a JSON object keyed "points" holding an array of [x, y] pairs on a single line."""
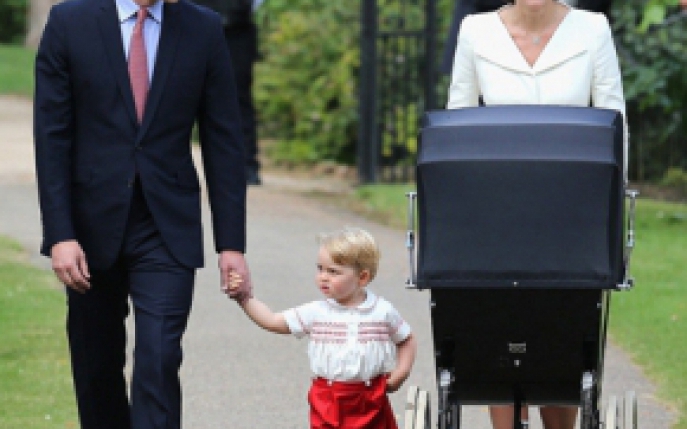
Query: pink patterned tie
{"points": [[138, 64]]}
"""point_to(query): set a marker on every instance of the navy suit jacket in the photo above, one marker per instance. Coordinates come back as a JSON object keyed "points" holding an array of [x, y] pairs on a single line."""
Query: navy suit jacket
{"points": [[90, 147]]}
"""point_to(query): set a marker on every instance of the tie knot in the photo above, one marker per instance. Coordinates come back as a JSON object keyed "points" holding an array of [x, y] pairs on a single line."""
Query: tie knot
{"points": [[141, 15]]}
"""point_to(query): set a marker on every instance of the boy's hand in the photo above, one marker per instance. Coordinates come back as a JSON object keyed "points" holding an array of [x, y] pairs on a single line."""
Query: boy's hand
{"points": [[233, 287], [231, 263], [235, 282], [393, 383]]}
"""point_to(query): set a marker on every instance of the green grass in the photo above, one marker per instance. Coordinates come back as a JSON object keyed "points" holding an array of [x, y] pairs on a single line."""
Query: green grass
{"points": [[649, 322], [385, 203], [35, 379], [16, 70]]}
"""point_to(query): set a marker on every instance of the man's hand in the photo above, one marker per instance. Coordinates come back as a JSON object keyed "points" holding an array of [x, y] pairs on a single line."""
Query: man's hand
{"points": [[231, 265], [69, 264]]}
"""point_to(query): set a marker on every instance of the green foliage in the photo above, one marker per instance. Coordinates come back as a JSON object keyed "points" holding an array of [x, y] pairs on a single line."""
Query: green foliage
{"points": [[655, 83], [305, 89], [655, 12], [13, 20], [676, 178]]}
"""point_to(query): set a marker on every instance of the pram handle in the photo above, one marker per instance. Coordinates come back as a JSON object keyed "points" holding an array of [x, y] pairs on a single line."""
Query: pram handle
{"points": [[410, 240], [628, 281]]}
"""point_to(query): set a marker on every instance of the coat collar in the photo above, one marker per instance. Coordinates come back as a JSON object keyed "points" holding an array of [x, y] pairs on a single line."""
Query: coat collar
{"points": [[499, 48]]}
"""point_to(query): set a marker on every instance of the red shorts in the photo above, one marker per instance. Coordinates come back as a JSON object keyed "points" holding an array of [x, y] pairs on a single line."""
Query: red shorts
{"points": [[354, 405]]}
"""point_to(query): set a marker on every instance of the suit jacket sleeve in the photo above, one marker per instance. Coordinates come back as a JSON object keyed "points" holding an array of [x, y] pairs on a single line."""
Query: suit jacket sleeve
{"points": [[53, 133], [464, 89], [607, 84], [222, 145]]}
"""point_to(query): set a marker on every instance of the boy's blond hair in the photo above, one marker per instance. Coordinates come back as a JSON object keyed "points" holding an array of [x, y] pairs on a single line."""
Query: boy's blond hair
{"points": [[353, 247]]}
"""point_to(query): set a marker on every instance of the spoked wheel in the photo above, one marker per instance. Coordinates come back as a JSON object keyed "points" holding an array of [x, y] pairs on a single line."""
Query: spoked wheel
{"points": [[450, 419], [612, 420], [589, 410], [630, 410], [411, 408], [423, 418]]}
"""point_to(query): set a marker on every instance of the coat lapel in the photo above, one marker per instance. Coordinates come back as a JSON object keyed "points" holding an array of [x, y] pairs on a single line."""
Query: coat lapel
{"points": [[565, 44], [111, 33], [499, 48], [166, 52]]}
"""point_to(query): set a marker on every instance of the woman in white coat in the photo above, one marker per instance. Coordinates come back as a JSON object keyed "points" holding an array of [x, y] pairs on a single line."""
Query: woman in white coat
{"points": [[537, 52]]}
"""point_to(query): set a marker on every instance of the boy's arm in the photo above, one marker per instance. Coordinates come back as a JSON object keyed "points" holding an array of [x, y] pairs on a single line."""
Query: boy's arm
{"points": [[405, 357], [261, 314]]}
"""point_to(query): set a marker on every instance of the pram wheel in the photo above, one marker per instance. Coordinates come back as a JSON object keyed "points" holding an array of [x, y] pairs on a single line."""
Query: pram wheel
{"points": [[630, 410], [612, 420], [417, 415], [450, 419], [411, 408]]}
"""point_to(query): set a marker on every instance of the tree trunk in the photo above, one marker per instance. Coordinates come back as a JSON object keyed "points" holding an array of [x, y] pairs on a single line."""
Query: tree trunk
{"points": [[37, 16]]}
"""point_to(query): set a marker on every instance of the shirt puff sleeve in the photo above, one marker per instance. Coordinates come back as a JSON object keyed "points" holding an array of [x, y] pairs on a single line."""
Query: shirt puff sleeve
{"points": [[300, 319], [464, 89], [607, 83], [399, 330]]}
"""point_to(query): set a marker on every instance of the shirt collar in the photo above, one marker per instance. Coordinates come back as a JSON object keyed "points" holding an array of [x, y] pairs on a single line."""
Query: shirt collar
{"points": [[127, 8], [367, 305]]}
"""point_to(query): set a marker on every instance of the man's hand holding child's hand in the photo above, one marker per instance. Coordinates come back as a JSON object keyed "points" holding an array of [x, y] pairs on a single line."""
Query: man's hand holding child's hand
{"points": [[233, 288]]}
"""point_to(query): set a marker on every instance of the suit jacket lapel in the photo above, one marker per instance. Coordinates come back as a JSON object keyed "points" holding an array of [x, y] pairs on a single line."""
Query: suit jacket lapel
{"points": [[166, 52], [111, 34]]}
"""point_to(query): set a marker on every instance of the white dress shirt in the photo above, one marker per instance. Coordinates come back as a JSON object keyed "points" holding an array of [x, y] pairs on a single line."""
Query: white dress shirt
{"points": [[577, 66], [126, 11], [349, 343]]}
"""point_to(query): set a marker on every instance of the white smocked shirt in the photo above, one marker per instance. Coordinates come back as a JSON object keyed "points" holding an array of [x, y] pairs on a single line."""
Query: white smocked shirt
{"points": [[349, 343]]}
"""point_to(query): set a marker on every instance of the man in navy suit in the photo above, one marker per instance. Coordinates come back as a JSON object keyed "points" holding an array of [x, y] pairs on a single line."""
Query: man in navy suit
{"points": [[119, 86]]}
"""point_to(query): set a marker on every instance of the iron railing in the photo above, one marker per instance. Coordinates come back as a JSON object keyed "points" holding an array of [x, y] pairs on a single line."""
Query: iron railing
{"points": [[398, 83]]}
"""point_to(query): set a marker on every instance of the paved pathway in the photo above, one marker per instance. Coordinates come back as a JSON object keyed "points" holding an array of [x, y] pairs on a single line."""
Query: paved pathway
{"points": [[235, 375]]}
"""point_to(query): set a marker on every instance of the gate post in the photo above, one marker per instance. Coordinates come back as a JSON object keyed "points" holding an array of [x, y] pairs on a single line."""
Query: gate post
{"points": [[430, 55], [367, 149]]}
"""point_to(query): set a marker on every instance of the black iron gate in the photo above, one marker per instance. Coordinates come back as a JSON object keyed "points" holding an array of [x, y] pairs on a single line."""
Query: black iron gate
{"points": [[397, 84]]}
